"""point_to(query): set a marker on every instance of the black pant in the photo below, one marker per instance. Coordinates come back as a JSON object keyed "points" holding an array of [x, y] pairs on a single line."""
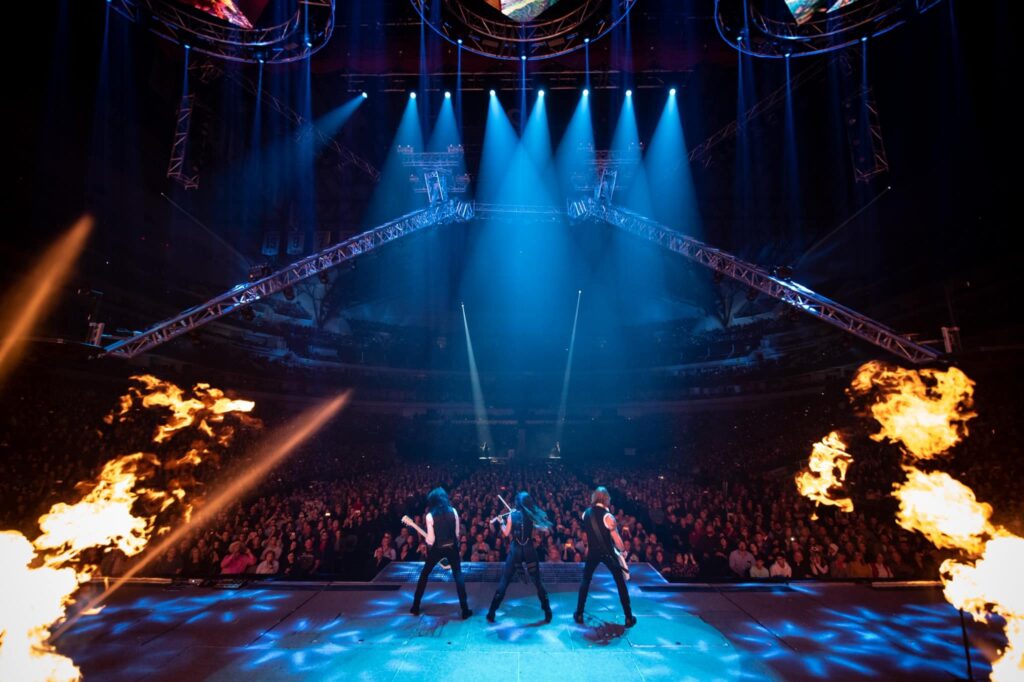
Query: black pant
{"points": [[519, 554], [613, 567], [435, 554]]}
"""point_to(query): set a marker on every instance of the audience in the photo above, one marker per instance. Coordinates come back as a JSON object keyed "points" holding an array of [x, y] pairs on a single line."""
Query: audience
{"points": [[716, 501]]}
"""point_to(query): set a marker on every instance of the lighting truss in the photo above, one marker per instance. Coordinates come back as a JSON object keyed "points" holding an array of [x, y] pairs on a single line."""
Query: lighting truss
{"points": [[449, 167], [500, 37], [244, 295], [325, 141], [702, 152], [746, 28], [176, 168], [298, 37], [757, 278]]}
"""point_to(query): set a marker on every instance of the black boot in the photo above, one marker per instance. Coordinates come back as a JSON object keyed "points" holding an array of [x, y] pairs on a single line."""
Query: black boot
{"points": [[544, 604], [630, 620], [466, 613], [415, 610], [490, 616], [578, 617]]}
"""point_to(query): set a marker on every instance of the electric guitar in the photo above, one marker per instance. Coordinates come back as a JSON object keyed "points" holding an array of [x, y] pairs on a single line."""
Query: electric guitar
{"points": [[412, 524], [622, 563]]}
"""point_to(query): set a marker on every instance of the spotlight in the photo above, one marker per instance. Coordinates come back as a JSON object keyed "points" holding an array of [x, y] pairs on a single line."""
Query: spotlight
{"points": [[447, 95], [863, 39], [586, 92], [586, 41], [459, 41], [629, 93], [672, 92], [365, 95], [788, 55], [493, 93], [540, 94], [522, 57], [412, 95]]}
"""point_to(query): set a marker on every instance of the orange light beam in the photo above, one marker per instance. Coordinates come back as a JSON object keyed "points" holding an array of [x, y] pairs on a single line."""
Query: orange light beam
{"points": [[31, 298], [280, 445]]}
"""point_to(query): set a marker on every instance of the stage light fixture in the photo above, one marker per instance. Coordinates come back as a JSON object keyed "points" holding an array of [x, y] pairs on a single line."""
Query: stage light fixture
{"points": [[365, 95], [586, 93], [460, 41], [629, 93], [672, 92], [586, 41], [540, 94], [447, 95], [522, 57], [412, 95], [492, 93]]}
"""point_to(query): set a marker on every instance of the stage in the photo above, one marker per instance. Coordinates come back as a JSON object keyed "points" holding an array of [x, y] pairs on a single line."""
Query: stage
{"points": [[363, 631]]}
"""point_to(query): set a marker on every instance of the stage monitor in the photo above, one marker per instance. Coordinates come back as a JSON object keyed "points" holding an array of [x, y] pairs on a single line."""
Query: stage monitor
{"points": [[225, 10], [522, 10]]}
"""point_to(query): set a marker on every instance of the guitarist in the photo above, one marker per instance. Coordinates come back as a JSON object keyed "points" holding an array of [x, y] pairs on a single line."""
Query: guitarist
{"points": [[519, 525], [442, 536], [603, 539]]}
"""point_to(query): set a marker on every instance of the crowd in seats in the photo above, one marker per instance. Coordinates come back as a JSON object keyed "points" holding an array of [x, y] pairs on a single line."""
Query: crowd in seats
{"points": [[711, 498]]}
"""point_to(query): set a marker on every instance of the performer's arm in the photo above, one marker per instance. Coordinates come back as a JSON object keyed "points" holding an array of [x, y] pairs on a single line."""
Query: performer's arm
{"points": [[609, 522], [506, 526], [430, 528], [457, 533]]}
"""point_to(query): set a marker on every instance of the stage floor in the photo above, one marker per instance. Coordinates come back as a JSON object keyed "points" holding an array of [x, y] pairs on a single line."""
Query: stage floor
{"points": [[348, 631]]}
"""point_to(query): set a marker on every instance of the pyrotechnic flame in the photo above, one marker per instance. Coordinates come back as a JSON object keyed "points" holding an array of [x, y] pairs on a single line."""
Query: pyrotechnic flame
{"points": [[993, 585], [207, 406], [826, 469], [30, 600], [117, 511], [104, 518], [944, 510], [925, 410]]}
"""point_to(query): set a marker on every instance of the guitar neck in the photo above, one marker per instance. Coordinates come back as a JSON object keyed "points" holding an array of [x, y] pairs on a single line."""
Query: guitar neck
{"points": [[412, 524]]}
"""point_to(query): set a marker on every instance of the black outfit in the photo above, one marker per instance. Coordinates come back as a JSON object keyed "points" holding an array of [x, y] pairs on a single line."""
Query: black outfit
{"points": [[601, 551], [521, 550], [446, 546]]}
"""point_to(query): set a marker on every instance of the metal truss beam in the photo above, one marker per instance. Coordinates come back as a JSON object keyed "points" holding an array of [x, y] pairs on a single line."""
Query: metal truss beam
{"points": [[757, 279], [244, 295], [176, 169], [302, 34], [702, 152], [325, 141]]}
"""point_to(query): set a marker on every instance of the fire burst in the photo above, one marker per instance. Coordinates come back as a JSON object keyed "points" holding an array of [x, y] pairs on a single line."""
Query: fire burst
{"points": [[926, 411], [826, 470], [38, 579]]}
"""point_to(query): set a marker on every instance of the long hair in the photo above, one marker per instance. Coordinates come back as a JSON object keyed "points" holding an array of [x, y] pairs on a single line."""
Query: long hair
{"points": [[525, 504], [438, 499], [601, 496]]}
